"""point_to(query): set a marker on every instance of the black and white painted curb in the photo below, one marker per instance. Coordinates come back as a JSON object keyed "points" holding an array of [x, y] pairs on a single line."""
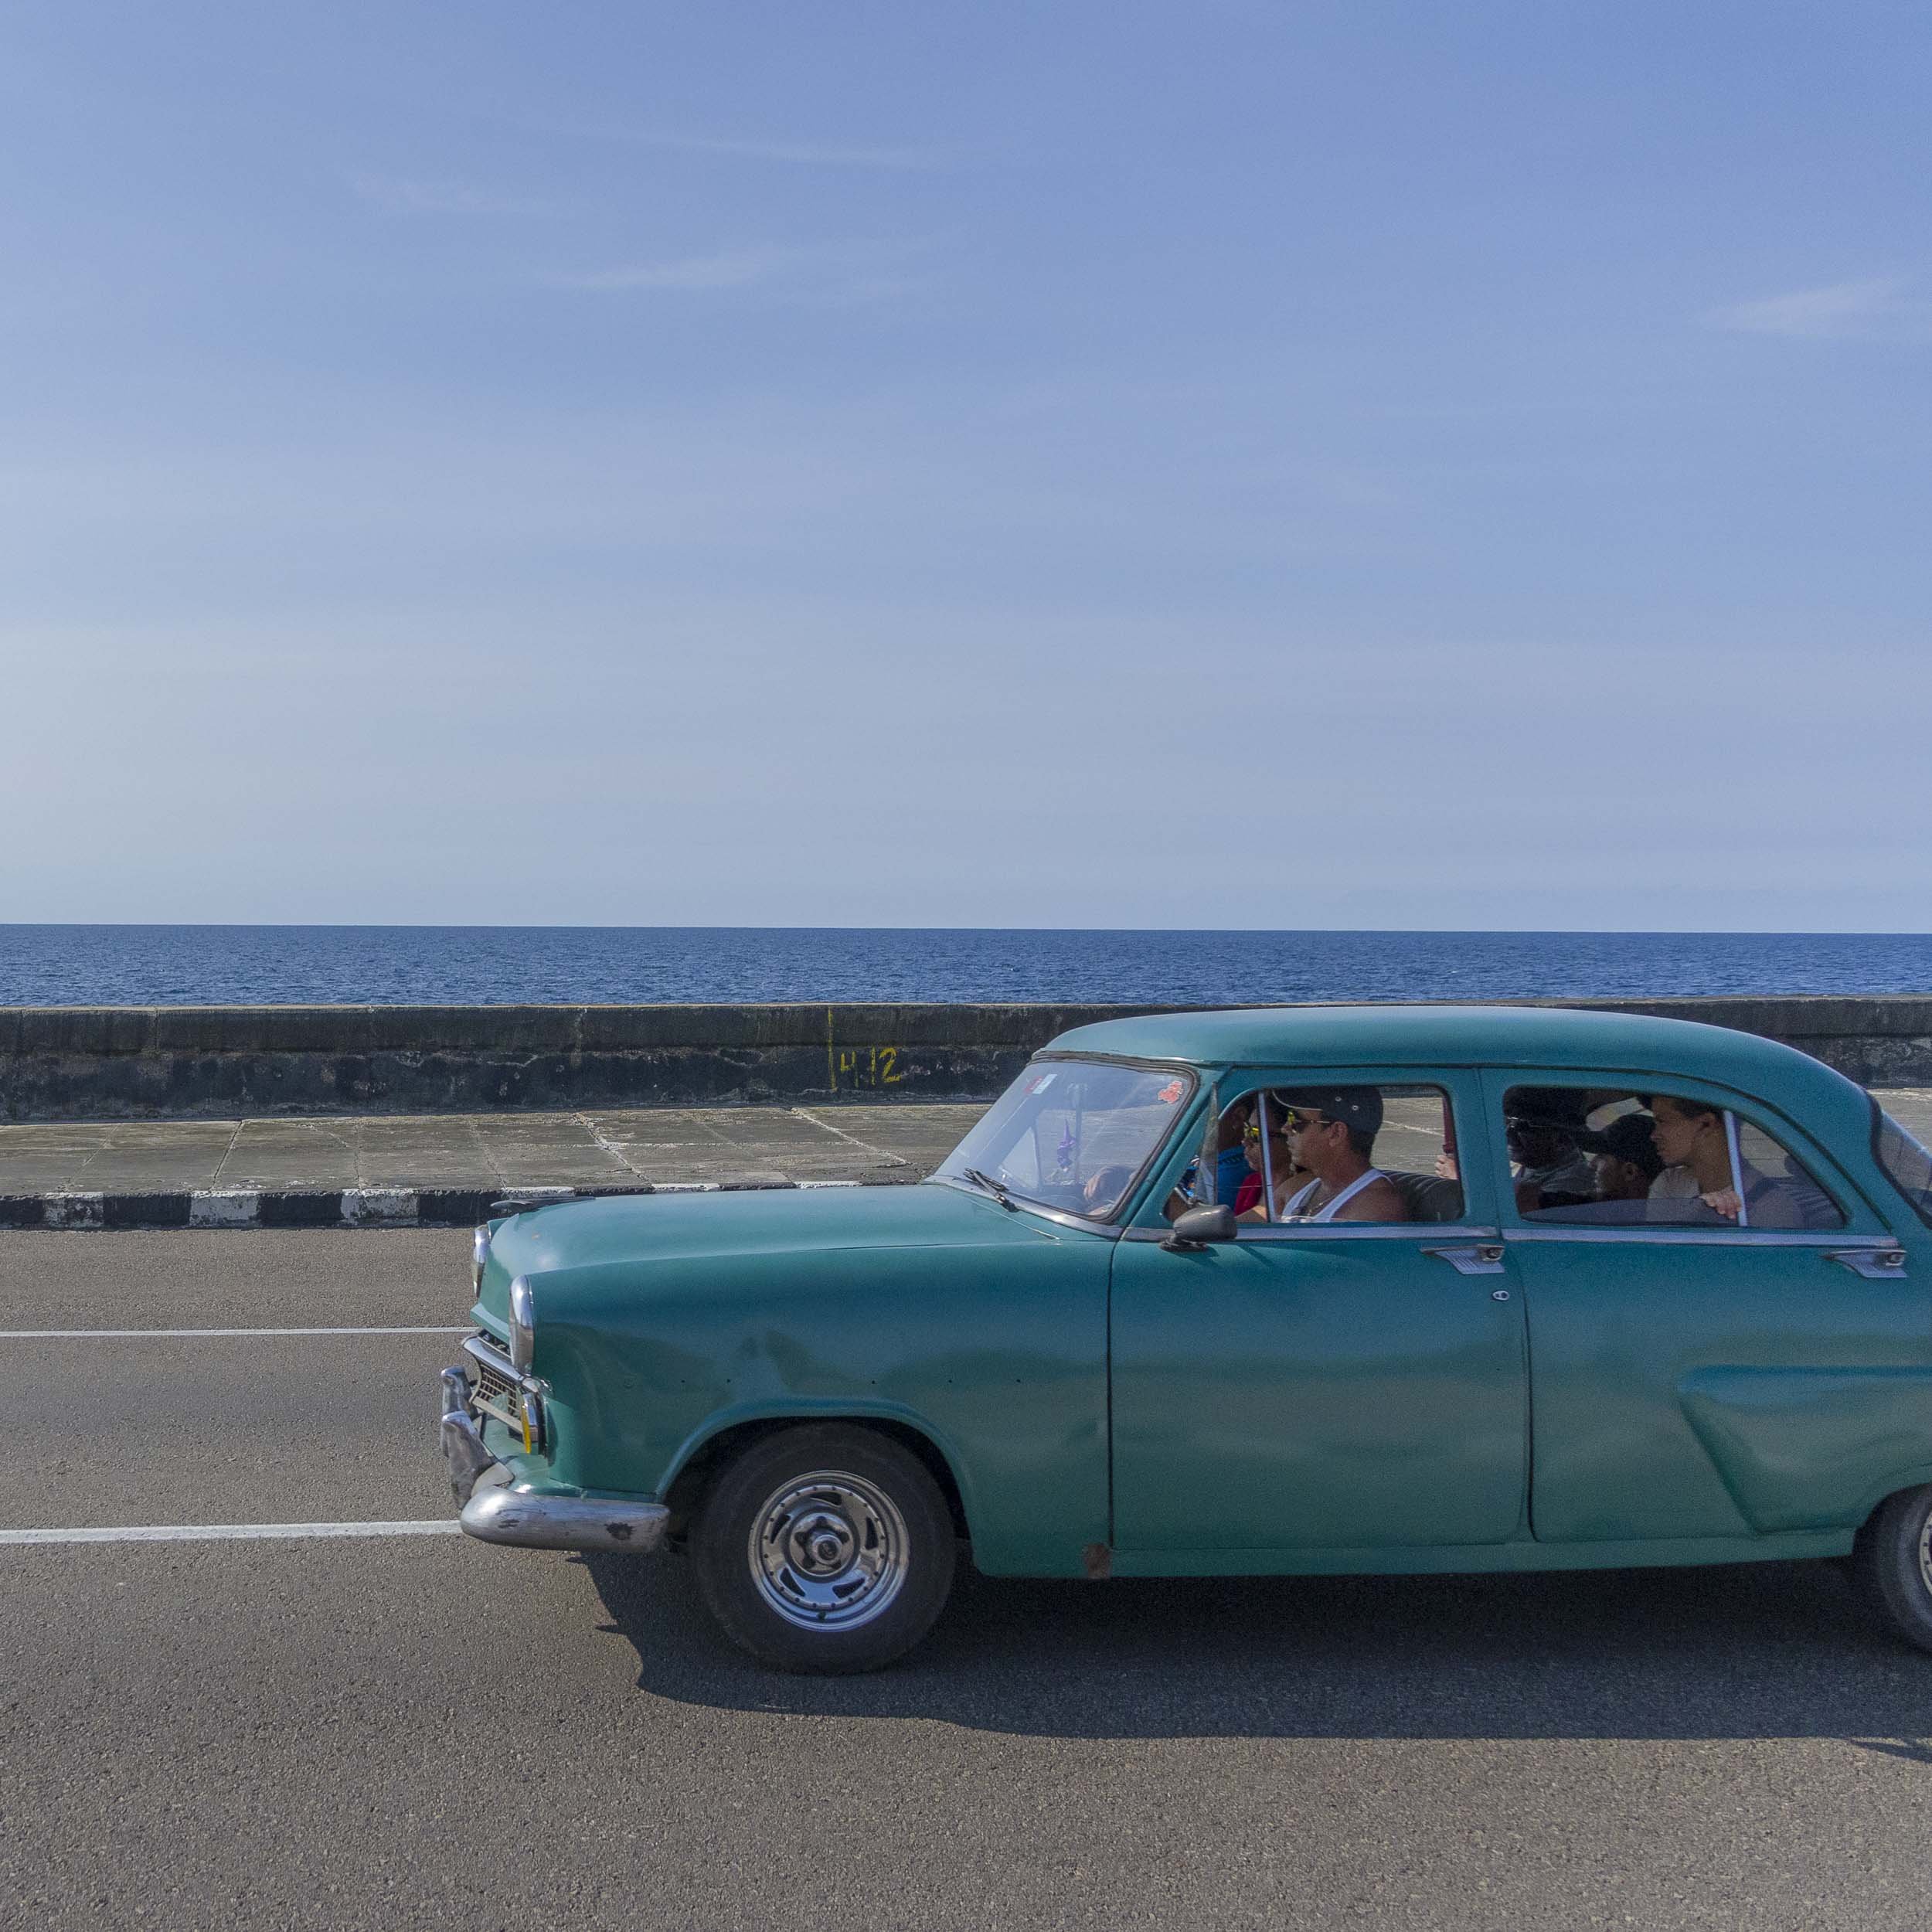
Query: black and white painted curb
{"points": [[355, 1207]]}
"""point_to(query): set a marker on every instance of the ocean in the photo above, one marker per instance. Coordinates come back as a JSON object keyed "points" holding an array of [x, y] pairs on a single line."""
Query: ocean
{"points": [[494, 965]]}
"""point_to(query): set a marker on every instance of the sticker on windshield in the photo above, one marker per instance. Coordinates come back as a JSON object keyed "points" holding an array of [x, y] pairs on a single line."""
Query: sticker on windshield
{"points": [[1170, 1092], [1040, 1084]]}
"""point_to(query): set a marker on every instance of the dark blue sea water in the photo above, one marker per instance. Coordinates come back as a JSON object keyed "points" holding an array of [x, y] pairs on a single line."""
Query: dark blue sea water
{"points": [[489, 965]]}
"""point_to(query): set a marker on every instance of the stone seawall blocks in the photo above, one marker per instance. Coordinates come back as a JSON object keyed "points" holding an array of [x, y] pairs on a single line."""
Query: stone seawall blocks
{"points": [[134, 1063]]}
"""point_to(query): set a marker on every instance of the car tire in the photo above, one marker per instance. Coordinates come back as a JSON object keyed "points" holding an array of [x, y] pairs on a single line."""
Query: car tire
{"points": [[827, 1548], [1893, 1558]]}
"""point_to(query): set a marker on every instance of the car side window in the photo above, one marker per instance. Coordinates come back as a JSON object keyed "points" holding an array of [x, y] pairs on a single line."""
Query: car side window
{"points": [[1316, 1153], [1908, 1163], [1606, 1156]]}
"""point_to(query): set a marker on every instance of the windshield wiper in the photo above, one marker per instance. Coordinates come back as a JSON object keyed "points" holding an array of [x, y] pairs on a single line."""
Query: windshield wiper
{"points": [[991, 1186]]}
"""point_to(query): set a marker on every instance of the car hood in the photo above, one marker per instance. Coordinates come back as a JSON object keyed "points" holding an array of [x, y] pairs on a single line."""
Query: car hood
{"points": [[663, 1227]]}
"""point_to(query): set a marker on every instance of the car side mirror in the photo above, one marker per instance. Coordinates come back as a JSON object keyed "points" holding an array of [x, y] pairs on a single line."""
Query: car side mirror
{"points": [[1199, 1227]]}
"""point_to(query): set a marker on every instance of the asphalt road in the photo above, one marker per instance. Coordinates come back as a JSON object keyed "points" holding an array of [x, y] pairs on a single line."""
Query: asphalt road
{"points": [[396, 1731]]}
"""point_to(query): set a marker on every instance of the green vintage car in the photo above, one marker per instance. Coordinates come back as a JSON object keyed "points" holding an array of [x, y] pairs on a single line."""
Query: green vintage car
{"points": [[1288, 1291]]}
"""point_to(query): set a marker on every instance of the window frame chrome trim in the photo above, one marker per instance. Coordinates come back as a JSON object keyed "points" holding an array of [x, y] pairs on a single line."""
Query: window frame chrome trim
{"points": [[1853, 1200], [1260, 1077], [1275, 1231], [1273, 1234], [1665, 1233]]}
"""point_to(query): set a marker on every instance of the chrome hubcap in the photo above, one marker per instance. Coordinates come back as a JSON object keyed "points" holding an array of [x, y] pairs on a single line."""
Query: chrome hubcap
{"points": [[1925, 1552], [829, 1551]]}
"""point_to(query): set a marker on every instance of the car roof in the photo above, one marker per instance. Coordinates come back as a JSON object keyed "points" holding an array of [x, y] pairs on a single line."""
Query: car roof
{"points": [[1459, 1035]]}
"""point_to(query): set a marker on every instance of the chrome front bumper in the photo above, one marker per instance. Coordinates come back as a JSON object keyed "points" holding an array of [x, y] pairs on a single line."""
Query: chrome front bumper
{"points": [[497, 1513]]}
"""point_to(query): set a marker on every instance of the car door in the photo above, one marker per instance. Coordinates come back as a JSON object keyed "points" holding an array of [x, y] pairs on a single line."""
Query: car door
{"points": [[1711, 1381], [1345, 1386]]}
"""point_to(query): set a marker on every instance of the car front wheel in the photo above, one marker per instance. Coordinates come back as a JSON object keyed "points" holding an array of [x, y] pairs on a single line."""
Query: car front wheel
{"points": [[1893, 1558], [824, 1548]]}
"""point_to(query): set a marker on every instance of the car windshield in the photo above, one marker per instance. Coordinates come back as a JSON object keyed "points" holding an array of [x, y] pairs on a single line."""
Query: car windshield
{"points": [[1908, 1163], [1072, 1134]]}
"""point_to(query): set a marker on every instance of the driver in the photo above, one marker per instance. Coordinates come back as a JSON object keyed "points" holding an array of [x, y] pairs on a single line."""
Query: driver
{"points": [[1331, 1133]]}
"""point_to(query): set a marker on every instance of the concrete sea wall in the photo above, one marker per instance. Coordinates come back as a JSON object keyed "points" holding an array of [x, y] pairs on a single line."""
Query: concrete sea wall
{"points": [[214, 1062]]}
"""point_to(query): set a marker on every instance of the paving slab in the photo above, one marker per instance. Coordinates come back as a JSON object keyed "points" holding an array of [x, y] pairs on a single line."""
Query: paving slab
{"points": [[283, 1154], [625, 1147]]}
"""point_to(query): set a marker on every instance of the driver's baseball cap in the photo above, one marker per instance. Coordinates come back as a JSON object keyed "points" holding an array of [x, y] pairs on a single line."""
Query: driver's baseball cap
{"points": [[1357, 1106]]}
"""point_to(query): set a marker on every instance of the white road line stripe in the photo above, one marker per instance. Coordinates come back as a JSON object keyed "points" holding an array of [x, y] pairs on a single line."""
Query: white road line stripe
{"points": [[123, 1335], [231, 1531]]}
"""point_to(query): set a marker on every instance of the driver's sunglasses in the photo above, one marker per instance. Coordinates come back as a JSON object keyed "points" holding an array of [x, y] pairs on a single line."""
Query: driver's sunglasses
{"points": [[1296, 1120]]}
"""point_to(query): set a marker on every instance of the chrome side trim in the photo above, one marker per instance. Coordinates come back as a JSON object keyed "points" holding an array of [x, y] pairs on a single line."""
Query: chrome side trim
{"points": [[1266, 1232], [1705, 1237], [531, 1522], [479, 1257], [1297, 1231]]}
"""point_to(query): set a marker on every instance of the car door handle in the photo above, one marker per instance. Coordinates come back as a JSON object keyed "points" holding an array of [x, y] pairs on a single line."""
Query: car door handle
{"points": [[1875, 1264], [1481, 1257]]}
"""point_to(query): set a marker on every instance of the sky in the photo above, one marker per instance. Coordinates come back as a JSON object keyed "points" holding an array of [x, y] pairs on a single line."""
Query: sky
{"points": [[1207, 465]]}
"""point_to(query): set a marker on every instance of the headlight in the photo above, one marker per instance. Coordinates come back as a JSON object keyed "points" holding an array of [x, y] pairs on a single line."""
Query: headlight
{"points": [[522, 1325], [479, 1258]]}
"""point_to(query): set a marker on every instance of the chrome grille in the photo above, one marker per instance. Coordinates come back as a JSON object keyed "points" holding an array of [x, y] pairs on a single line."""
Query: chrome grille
{"points": [[491, 1383], [499, 1391], [496, 1381]]}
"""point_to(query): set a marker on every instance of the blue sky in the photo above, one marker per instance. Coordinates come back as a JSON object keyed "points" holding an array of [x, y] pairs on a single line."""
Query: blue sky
{"points": [[1216, 464]]}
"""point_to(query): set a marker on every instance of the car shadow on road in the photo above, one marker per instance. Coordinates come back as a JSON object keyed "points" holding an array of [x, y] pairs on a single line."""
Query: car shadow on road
{"points": [[1748, 1650]]}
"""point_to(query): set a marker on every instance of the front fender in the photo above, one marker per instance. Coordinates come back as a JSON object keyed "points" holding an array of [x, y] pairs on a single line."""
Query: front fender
{"points": [[825, 1409], [997, 1355]]}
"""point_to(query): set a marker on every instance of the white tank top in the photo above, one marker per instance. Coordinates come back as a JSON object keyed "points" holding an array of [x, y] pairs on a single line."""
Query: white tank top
{"points": [[1326, 1212]]}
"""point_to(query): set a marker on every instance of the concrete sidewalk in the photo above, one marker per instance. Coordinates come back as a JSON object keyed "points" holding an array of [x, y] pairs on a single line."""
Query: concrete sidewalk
{"points": [[421, 1169], [446, 1169]]}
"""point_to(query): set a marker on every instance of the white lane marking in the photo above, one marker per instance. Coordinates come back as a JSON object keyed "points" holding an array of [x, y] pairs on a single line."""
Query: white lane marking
{"points": [[231, 1531], [123, 1335]]}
